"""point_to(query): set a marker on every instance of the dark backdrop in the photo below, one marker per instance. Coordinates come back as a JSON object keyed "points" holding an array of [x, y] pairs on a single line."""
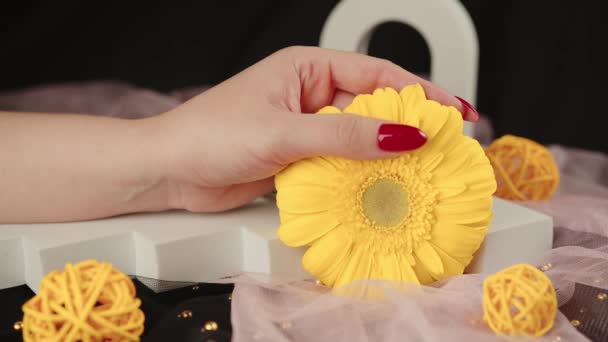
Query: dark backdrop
{"points": [[543, 70]]}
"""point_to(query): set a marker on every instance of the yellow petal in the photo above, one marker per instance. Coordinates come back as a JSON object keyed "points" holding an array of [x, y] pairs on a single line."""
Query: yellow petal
{"points": [[383, 104], [451, 266], [437, 117], [329, 110], [389, 266], [395, 104], [358, 267], [408, 273], [380, 104], [410, 259], [459, 241], [481, 224], [316, 171], [359, 105], [447, 182], [377, 269], [413, 93], [459, 159], [470, 146], [451, 166], [305, 199], [429, 258], [336, 164], [429, 162], [412, 98], [422, 274], [479, 174], [446, 192], [448, 137], [301, 230], [466, 194], [464, 213], [483, 205], [478, 181], [328, 255], [411, 118], [478, 155]]}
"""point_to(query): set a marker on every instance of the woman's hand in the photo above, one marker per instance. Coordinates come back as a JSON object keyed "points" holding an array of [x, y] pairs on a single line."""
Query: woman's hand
{"points": [[223, 147], [217, 151]]}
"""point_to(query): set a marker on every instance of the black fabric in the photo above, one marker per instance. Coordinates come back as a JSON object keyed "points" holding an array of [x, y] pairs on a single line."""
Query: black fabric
{"points": [[12, 299], [542, 63], [589, 311], [175, 327]]}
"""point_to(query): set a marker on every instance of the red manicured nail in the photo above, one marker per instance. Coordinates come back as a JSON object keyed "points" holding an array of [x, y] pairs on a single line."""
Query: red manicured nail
{"points": [[397, 138], [470, 113]]}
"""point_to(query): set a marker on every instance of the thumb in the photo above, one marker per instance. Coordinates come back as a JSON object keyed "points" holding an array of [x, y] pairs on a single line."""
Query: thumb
{"points": [[348, 136]]}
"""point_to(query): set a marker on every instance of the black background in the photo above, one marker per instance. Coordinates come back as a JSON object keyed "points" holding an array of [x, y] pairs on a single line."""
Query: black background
{"points": [[543, 70]]}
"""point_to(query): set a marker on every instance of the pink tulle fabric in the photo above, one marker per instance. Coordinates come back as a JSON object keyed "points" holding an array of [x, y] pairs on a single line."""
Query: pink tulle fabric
{"points": [[274, 309]]}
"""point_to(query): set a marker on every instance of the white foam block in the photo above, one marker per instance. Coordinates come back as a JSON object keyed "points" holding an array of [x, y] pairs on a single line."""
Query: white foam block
{"points": [[181, 246]]}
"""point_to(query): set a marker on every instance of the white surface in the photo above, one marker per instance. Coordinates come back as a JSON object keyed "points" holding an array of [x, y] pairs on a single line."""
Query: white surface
{"points": [[445, 25], [516, 235], [181, 246]]}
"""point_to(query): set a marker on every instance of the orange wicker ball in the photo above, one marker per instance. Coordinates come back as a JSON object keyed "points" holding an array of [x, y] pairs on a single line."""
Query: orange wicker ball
{"points": [[524, 169]]}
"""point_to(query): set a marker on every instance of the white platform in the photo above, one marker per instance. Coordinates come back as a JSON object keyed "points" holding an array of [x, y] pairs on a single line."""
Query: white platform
{"points": [[181, 246]]}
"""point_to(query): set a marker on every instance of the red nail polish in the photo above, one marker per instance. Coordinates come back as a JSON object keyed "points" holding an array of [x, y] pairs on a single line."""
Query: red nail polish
{"points": [[470, 113], [398, 138]]}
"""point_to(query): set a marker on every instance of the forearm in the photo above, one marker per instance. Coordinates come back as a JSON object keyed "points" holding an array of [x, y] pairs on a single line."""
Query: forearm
{"points": [[56, 167]]}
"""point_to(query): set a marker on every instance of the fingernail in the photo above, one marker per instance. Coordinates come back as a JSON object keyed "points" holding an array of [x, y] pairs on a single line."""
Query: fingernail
{"points": [[469, 112], [398, 138]]}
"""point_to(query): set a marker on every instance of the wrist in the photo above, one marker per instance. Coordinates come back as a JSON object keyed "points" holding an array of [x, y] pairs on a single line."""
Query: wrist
{"points": [[148, 182]]}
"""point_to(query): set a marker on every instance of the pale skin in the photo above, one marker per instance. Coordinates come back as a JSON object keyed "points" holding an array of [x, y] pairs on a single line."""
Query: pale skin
{"points": [[218, 151]]}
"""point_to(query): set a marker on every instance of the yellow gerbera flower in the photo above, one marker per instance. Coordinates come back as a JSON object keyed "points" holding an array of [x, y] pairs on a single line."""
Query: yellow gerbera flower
{"points": [[418, 217]]}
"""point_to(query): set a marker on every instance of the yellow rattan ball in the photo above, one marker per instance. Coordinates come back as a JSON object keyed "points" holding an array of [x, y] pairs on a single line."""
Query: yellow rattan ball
{"points": [[519, 300], [524, 169], [89, 301]]}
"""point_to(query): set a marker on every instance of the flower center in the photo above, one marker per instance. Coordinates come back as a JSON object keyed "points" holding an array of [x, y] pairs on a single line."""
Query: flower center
{"points": [[385, 202]]}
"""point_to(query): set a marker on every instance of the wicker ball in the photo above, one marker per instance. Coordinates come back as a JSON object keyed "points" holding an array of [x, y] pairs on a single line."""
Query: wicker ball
{"points": [[519, 300], [524, 169], [89, 301]]}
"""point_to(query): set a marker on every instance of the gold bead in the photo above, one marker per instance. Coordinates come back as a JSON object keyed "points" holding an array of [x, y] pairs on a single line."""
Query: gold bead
{"points": [[318, 282], [18, 325], [195, 287], [557, 339], [185, 314], [575, 322], [546, 267], [210, 326], [602, 296], [286, 325]]}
